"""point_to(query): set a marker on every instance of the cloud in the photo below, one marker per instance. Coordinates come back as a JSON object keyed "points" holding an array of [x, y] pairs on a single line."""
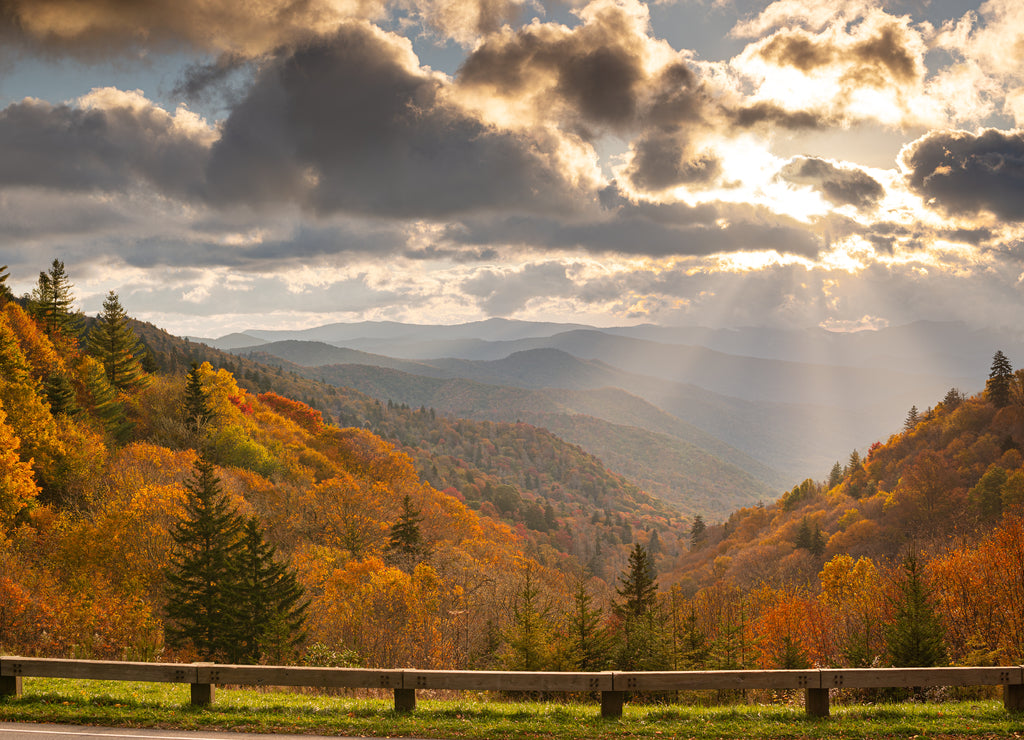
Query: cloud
{"points": [[111, 141], [352, 124], [837, 62], [969, 174], [841, 186], [254, 28], [504, 292], [113, 27], [647, 229]]}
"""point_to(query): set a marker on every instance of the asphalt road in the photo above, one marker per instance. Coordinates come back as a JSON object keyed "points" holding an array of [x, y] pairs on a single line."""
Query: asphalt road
{"points": [[23, 731]]}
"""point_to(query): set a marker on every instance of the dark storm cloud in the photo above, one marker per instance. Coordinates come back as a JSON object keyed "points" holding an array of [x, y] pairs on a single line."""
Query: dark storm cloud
{"points": [[349, 124], [968, 174], [881, 57], [748, 116], [108, 148], [101, 28], [651, 230], [597, 76], [844, 186], [660, 162], [591, 78]]}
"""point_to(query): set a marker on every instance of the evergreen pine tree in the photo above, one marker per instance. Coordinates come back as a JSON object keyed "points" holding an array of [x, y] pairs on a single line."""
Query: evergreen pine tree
{"points": [[915, 636], [5, 289], [60, 394], [105, 403], [642, 638], [113, 342], [912, 419], [693, 648], [52, 301], [528, 638], [197, 402], [835, 476], [270, 612], [639, 589], [202, 591], [406, 548], [590, 643], [698, 533], [1000, 381]]}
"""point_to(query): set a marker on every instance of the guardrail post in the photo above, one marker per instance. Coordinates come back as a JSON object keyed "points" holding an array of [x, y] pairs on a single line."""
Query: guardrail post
{"points": [[405, 700], [1013, 697], [611, 704], [816, 702], [10, 685], [203, 689]]}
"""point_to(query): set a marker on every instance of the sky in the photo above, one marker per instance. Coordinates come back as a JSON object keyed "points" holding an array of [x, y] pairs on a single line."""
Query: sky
{"points": [[273, 164]]}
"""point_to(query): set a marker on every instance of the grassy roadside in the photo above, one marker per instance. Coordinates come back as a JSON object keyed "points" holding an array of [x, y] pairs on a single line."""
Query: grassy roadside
{"points": [[126, 704]]}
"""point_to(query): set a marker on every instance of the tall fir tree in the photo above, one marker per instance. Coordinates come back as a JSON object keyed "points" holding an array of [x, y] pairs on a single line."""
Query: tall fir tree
{"points": [[197, 402], [638, 588], [406, 547], [114, 343], [105, 402], [698, 533], [642, 644], [270, 610], [1000, 381], [202, 580], [52, 303], [589, 642], [915, 635], [5, 289]]}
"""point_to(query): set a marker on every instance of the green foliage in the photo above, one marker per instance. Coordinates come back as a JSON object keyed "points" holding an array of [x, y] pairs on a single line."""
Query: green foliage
{"points": [[104, 401], [529, 637], [61, 394], [228, 597], [915, 636], [113, 342], [5, 289], [52, 301], [590, 644], [198, 414], [406, 548], [698, 533], [638, 587], [231, 446], [1000, 381], [270, 611], [202, 585]]}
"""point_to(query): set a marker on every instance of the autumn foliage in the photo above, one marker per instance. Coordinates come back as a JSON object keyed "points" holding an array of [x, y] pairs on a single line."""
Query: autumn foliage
{"points": [[522, 544]]}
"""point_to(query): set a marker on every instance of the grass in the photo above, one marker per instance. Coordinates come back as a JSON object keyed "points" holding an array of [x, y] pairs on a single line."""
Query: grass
{"points": [[127, 704]]}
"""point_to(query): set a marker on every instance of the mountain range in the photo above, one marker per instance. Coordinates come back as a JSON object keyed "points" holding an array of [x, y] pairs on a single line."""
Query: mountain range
{"points": [[669, 407]]}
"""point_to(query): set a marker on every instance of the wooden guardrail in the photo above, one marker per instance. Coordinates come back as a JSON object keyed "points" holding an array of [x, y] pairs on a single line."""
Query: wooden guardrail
{"points": [[613, 686]]}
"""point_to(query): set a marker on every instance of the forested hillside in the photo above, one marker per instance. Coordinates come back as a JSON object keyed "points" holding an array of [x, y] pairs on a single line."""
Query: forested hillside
{"points": [[469, 544]]}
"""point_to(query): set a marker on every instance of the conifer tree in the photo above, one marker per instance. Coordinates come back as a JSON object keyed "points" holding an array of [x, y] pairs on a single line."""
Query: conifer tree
{"points": [[105, 403], [638, 587], [60, 394], [589, 642], [642, 637], [5, 289], [528, 638], [406, 548], [197, 401], [698, 533], [52, 301], [912, 419], [115, 344], [1000, 381], [202, 590], [915, 636], [835, 476], [270, 611]]}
